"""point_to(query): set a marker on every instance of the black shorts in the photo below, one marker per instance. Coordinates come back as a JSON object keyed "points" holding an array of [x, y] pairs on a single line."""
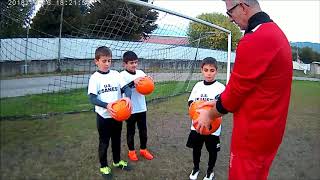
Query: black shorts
{"points": [[196, 140]]}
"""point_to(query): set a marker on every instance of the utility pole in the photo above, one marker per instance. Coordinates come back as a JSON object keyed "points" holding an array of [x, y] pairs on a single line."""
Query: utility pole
{"points": [[199, 39], [27, 23], [25, 67], [59, 45], [206, 34], [297, 56]]}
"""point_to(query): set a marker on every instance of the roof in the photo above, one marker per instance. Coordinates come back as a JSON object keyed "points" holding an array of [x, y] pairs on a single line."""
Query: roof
{"points": [[167, 40]]}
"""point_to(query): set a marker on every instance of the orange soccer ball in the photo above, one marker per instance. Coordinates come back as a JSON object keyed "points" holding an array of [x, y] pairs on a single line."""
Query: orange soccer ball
{"points": [[122, 110], [145, 86], [215, 124]]}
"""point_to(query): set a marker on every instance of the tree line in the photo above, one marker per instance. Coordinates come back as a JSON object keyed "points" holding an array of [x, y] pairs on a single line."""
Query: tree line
{"points": [[104, 19], [306, 54], [84, 18]]}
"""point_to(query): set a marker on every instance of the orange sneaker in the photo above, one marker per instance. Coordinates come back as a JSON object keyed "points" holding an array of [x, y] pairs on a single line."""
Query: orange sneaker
{"points": [[146, 154], [132, 155]]}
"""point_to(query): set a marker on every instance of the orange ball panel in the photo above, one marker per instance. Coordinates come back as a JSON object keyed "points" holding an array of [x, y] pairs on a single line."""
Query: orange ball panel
{"points": [[122, 111], [215, 124], [194, 116], [193, 109], [145, 86]]}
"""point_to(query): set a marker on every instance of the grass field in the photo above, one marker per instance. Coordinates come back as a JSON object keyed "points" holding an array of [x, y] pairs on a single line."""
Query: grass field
{"points": [[73, 100], [65, 146]]}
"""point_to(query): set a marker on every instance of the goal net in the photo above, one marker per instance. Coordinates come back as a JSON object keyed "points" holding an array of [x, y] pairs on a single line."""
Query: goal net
{"points": [[56, 65]]}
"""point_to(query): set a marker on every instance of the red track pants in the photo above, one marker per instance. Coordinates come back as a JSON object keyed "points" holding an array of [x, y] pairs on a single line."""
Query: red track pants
{"points": [[250, 168]]}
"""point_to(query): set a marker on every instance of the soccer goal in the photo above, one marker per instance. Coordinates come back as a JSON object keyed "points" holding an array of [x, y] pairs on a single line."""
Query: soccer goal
{"points": [[170, 48]]}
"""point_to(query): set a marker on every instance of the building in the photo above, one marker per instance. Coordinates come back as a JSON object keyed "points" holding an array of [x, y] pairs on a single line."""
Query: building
{"points": [[315, 67], [169, 40]]}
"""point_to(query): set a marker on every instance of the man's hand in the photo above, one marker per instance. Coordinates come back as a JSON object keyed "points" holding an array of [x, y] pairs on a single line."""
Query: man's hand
{"points": [[206, 116], [203, 121], [207, 103]]}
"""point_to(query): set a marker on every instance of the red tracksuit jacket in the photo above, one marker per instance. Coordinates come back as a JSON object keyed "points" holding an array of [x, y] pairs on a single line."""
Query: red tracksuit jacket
{"points": [[258, 92]]}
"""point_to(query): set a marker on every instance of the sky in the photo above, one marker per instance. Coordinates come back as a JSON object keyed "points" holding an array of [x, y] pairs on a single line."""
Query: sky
{"points": [[300, 20]]}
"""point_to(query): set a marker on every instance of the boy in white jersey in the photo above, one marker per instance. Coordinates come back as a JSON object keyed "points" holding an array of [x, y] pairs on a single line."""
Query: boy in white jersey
{"points": [[131, 76], [105, 87], [205, 90]]}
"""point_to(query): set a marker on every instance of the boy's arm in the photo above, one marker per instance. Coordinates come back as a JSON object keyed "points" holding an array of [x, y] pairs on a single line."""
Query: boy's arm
{"points": [[126, 90], [131, 84], [94, 100]]}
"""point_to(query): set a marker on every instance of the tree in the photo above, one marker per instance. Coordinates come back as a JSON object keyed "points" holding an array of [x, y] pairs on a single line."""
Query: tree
{"points": [[219, 40], [307, 55], [94, 19], [112, 19], [294, 52], [14, 18], [47, 21]]}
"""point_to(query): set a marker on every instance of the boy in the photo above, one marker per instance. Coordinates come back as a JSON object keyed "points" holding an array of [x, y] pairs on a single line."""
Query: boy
{"points": [[105, 87], [131, 76], [205, 90]]}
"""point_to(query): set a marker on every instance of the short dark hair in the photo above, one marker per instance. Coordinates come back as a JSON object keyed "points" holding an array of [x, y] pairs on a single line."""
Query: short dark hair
{"points": [[209, 60], [102, 51], [129, 56]]}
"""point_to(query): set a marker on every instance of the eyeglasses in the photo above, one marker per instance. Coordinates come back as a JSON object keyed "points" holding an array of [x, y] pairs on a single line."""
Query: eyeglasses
{"points": [[229, 12]]}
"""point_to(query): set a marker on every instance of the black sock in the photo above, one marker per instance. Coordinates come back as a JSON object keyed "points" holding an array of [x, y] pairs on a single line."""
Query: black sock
{"points": [[209, 171], [195, 169]]}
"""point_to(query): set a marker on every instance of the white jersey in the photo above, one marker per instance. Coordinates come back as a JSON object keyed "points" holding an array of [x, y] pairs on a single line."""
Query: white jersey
{"points": [[138, 100], [206, 93], [107, 87]]}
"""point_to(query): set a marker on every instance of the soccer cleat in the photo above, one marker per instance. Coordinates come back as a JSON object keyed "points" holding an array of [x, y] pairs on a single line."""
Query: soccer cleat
{"points": [[122, 165], [146, 154], [106, 172], [194, 174], [132, 155], [209, 176]]}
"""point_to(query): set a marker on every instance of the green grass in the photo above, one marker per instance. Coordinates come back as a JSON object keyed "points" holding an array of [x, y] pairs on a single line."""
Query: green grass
{"points": [[77, 100], [45, 74], [73, 100], [300, 97]]}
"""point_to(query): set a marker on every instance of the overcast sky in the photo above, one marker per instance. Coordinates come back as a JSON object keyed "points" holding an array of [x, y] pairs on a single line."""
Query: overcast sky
{"points": [[300, 20]]}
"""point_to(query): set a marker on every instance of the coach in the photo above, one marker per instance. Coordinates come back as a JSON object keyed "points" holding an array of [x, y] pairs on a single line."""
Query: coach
{"points": [[257, 94]]}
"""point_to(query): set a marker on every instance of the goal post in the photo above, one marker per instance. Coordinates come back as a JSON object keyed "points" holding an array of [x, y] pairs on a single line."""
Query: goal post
{"points": [[137, 2]]}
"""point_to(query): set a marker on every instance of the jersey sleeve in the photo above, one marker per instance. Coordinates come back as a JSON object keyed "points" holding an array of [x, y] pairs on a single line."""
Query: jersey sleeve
{"points": [[251, 62], [121, 80], [193, 93], [143, 73], [122, 74], [92, 87], [222, 88]]}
